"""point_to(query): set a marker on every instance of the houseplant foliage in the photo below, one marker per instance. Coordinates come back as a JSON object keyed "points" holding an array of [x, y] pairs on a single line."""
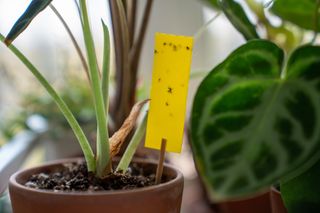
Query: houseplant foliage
{"points": [[98, 163], [296, 18], [255, 117], [298, 12], [34, 8], [301, 194], [99, 166], [128, 38]]}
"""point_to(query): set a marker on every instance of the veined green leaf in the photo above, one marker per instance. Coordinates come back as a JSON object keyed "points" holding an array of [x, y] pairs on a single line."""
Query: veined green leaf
{"points": [[299, 12], [254, 122], [35, 7], [238, 18], [302, 194]]}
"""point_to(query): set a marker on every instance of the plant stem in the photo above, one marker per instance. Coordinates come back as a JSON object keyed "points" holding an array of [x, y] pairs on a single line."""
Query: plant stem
{"points": [[126, 75], [103, 156], [258, 9], [316, 22], [136, 51], [121, 105], [78, 7], [205, 27], [74, 41], [85, 146], [133, 145], [131, 18]]}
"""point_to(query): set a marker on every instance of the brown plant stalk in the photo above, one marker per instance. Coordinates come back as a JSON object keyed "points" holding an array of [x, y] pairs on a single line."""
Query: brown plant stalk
{"points": [[127, 54]]}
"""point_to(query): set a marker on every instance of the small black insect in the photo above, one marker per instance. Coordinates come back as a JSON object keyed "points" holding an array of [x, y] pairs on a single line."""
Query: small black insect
{"points": [[174, 48]]}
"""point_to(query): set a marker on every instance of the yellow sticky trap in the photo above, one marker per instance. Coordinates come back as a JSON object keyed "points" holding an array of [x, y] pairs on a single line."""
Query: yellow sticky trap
{"points": [[171, 70]]}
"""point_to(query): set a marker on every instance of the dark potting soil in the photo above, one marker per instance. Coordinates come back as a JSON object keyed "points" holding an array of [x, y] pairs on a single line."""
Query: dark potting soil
{"points": [[75, 177]]}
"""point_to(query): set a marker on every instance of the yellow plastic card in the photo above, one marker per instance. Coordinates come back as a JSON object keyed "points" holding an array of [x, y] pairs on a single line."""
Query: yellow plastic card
{"points": [[170, 77]]}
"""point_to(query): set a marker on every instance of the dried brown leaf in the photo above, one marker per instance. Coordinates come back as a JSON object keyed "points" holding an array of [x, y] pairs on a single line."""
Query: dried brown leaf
{"points": [[119, 137]]}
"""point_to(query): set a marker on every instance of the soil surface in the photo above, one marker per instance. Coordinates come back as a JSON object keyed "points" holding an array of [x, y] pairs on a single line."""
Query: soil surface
{"points": [[75, 177]]}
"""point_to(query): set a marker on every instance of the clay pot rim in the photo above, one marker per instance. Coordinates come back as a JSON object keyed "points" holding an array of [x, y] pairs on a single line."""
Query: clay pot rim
{"points": [[14, 183], [275, 190]]}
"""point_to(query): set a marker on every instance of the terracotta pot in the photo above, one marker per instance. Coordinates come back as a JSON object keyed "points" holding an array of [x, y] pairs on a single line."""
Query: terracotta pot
{"points": [[163, 198], [277, 204], [260, 203]]}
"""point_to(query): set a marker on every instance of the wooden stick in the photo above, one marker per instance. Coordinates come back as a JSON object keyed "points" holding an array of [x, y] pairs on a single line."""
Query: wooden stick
{"points": [[161, 160]]}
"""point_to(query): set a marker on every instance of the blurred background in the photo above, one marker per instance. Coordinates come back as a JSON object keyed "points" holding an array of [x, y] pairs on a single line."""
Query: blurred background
{"points": [[24, 105]]}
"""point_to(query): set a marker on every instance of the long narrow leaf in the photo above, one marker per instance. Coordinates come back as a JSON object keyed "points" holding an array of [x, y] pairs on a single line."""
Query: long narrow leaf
{"points": [[106, 66], [102, 146], [133, 145], [89, 156], [34, 8], [238, 18]]}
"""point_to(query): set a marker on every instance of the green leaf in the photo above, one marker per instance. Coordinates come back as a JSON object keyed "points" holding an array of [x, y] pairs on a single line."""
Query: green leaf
{"points": [[133, 145], [254, 122], [34, 8], [103, 156], [239, 19], [299, 12], [302, 194], [106, 66], [213, 3], [83, 141]]}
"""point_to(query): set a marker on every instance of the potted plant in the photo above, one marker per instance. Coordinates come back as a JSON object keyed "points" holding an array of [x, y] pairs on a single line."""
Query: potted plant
{"points": [[255, 116], [77, 185]]}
